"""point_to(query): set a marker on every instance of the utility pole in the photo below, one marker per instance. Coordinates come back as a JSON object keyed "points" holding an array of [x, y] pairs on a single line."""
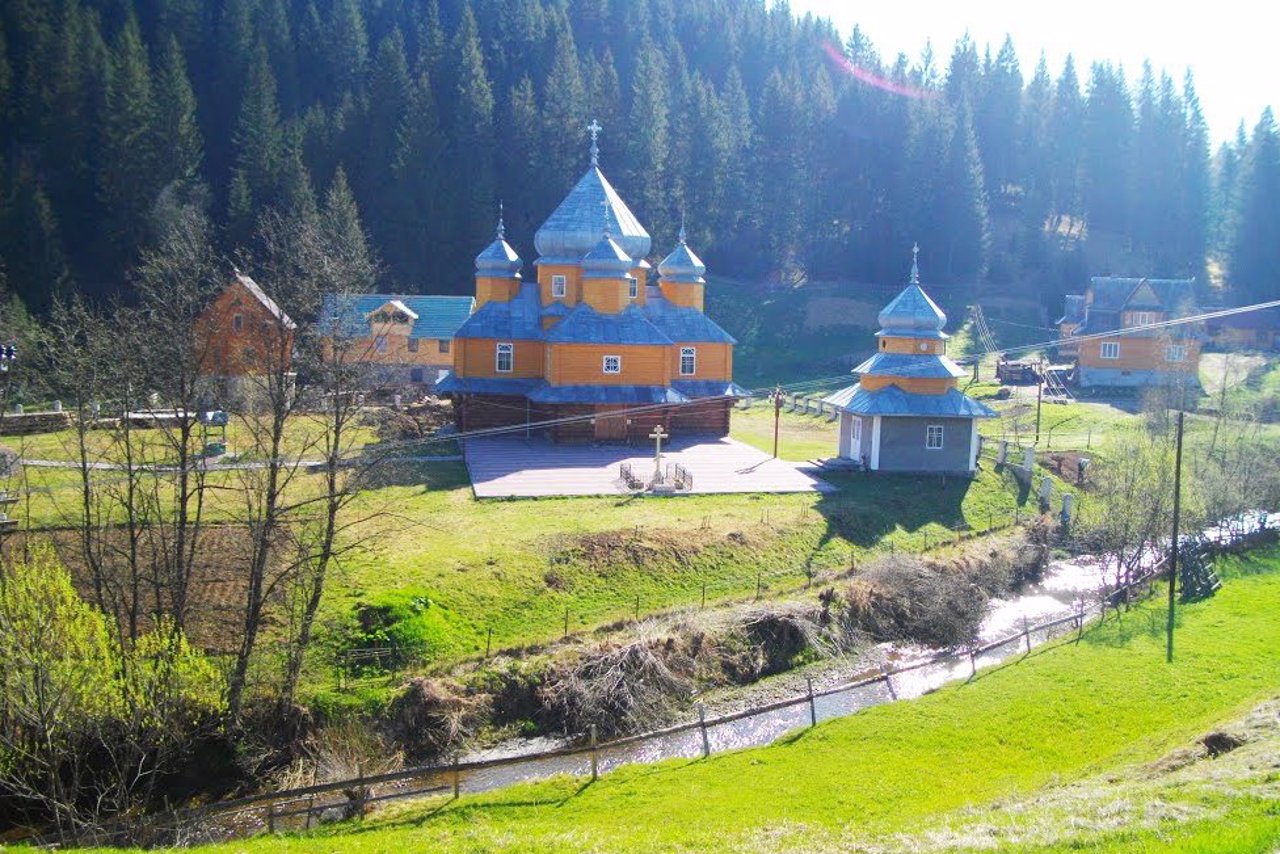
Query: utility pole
{"points": [[1173, 554], [777, 416]]}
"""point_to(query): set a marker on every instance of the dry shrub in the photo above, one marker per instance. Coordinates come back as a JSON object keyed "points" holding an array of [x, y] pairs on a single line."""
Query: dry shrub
{"points": [[771, 639], [429, 719], [416, 421], [900, 598], [620, 688]]}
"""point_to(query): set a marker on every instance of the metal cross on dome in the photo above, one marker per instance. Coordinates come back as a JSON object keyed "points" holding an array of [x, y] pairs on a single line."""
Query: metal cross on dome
{"points": [[915, 264], [594, 129]]}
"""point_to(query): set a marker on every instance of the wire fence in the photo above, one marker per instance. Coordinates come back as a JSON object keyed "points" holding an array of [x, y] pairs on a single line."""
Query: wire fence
{"points": [[304, 807]]}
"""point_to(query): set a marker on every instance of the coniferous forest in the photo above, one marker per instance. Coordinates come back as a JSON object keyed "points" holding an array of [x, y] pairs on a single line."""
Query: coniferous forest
{"points": [[792, 150]]}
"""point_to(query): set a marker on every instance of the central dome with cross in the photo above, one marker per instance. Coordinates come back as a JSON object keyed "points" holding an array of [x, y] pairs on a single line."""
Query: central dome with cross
{"points": [[573, 229]]}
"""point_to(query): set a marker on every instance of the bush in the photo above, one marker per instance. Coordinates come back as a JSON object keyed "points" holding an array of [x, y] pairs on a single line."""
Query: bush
{"points": [[406, 622], [900, 598], [429, 719]]}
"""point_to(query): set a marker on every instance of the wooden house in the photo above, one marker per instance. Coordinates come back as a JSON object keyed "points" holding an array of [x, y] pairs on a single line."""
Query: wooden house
{"points": [[1251, 330], [1112, 347], [592, 344], [906, 413], [243, 333], [403, 339]]}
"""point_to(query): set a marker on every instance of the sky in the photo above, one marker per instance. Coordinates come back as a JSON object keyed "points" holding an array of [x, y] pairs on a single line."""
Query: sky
{"points": [[1228, 44]]}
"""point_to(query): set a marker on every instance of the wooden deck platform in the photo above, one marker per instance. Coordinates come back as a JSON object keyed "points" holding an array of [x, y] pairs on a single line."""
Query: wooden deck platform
{"points": [[504, 467]]}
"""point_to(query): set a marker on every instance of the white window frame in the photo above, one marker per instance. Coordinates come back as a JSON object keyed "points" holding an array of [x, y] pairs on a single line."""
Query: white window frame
{"points": [[559, 286], [1143, 318], [412, 344], [1175, 353], [930, 432], [633, 288], [445, 345], [611, 364], [1109, 350], [507, 349], [691, 353], [237, 323]]}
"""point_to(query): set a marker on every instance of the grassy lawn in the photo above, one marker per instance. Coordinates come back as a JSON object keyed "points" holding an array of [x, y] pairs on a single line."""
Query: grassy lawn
{"points": [[800, 437], [1064, 714], [516, 567]]}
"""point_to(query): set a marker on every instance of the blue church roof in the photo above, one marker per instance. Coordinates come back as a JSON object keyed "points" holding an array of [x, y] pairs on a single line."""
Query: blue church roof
{"points": [[913, 314], [923, 366], [629, 394], [437, 316], [709, 388], [893, 401], [514, 321], [680, 323], [584, 325], [451, 383]]}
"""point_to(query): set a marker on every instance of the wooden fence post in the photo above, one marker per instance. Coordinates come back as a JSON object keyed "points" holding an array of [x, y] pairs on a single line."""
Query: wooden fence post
{"points": [[704, 595], [973, 663], [271, 818], [311, 806], [1026, 634], [887, 675], [566, 622], [457, 778], [702, 724], [488, 642], [757, 587], [595, 764], [813, 709], [1080, 623]]}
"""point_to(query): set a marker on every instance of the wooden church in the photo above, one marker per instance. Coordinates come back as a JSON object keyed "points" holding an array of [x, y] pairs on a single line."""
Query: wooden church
{"points": [[906, 413], [592, 351]]}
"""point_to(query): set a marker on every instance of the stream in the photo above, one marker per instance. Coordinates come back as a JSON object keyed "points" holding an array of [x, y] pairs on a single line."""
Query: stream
{"points": [[1066, 586]]}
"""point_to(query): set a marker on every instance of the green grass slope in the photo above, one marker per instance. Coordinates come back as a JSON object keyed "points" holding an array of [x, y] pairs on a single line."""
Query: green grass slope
{"points": [[1061, 715]]}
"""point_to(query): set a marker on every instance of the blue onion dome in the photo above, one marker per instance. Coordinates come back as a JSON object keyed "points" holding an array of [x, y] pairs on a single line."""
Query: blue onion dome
{"points": [[606, 259], [499, 259], [912, 312], [573, 229], [682, 265]]}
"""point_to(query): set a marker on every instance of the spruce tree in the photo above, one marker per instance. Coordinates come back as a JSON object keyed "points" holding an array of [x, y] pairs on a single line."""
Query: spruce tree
{"points": [[1108, 150], [344, 237], [472, 170], [1196, 186], [967, 221], [1255, 253], [178, 144], [259, 145], [129, 176], [420, 222], [1066, 136], [997, 118], [646, 141], [564, 114], [1034, 145]]}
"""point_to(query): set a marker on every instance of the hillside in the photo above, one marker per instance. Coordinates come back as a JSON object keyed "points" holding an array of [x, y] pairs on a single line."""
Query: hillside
{"points": [[1003, 761]]}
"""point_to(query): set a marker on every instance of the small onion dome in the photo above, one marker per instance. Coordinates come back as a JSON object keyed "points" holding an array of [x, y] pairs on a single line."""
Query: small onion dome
{"points": [[682, 265], [606, 260], [499, 259], [912, 314]]}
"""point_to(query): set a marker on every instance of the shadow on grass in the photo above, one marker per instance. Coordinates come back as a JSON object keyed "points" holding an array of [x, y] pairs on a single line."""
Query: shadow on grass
{"points": [[428, 476]]}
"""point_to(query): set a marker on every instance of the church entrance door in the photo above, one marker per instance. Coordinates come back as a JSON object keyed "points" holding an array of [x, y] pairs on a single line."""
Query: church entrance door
{"points": [[610, 428]]}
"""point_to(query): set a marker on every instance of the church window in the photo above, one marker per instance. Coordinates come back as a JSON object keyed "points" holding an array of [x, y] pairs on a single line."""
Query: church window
{"points": [[633, 289], [412, 344], [1110, 350], [613, 364], [504, 358], [557, 286], [444, 345], [237, 323], [688, 361], [933, 437], [1176, 353], [380, 344]]}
